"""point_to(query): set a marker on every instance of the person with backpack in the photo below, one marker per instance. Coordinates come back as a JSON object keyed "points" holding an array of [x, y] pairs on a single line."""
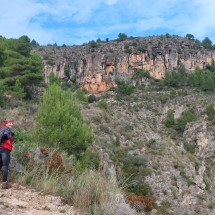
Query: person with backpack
{"points": [[6, 146]]}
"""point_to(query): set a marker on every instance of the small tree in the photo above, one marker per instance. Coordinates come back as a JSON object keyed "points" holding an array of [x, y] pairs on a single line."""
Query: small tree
{"points": [[207, 43], [122, 36], [93, 44], [189, 36], [60, 123]]}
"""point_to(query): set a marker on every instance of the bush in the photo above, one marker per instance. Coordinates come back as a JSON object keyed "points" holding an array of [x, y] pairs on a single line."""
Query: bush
{"points": [[123, 89], [102, 104], [210, 112], [122, 37], [169, 122], [190, 147], [186, 117], [140, 188], [141, 74], [174, 79], [92, 98], [163, 98], [60, 123], [81, 96], [89, 159]]}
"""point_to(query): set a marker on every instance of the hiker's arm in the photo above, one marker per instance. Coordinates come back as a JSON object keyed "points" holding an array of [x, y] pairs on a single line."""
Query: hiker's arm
{"points": [[7, 134], [5, 137]]}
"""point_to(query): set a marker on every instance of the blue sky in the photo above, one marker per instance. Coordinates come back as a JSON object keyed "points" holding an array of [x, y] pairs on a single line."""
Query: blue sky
{"points": [[74, 22]]}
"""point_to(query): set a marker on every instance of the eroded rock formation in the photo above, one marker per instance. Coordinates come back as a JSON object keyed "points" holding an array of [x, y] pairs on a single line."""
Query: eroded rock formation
{"points": [[96, 68]]}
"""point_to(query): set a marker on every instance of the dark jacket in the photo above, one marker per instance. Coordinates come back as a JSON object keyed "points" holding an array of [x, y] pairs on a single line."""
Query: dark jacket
{"points": [[7, 141]]}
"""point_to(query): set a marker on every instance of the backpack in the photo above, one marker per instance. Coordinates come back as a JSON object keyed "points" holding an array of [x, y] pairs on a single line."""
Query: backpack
{"points": [[5, 134]]}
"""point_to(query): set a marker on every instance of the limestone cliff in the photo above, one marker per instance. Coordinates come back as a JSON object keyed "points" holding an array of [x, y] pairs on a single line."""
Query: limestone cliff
{"points": [[96, 68]]}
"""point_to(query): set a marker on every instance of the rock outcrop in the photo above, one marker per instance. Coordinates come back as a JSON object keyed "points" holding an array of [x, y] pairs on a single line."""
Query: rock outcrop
{"points": [[96, 68]]}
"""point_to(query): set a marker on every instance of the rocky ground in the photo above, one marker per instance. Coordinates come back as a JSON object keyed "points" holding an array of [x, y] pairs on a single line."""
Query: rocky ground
{"points": [[182, 180], [20, 200], [178, 165]]}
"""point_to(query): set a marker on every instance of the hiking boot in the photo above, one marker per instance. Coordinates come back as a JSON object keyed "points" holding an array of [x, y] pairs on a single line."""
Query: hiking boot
{"points": [[5, 185]]}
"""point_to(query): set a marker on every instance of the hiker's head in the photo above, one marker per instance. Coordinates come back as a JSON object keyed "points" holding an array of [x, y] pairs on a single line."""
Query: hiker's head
{"points": [[8, 121]]}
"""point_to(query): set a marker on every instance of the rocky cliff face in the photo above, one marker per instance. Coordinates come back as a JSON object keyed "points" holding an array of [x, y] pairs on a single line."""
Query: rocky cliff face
{"points": [[96, 68]]}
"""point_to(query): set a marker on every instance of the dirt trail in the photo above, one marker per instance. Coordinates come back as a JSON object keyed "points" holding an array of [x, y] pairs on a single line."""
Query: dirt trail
{"points": [[21, 200]]}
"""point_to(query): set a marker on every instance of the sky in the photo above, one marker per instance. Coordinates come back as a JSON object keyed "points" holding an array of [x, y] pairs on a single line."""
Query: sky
{"points": [[74, 22]]}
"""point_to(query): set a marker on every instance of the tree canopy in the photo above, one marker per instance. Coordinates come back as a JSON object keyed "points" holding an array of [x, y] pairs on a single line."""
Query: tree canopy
{"points": [[60, 123], [17, 63]]}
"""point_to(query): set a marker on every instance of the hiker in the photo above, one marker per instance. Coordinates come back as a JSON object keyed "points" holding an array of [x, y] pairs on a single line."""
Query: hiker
{"points": [[5, 148]]}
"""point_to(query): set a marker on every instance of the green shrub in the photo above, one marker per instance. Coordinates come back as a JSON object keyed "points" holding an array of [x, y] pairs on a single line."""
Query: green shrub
{"points": [[89, 159], [93, 44], [67, 72], [122, 37], [186, 117], [21, 136], [210, 112], [211, 205], [186, 177], [173, 93], [102, 104], [152, 143], [141, 74], [60, 123], [81, 96], [190, 147], [92, 98], [140, 188], [174, 79], [169, 121], [123, 89], [163, 98], [50, 62]]}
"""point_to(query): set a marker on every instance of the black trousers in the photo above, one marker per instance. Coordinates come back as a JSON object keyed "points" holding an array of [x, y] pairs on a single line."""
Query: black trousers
{"points": [[4, 162]]}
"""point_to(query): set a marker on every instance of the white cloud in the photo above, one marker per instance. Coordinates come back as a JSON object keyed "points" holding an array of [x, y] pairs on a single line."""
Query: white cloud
{"points": [[80, 20], [15, 18]]}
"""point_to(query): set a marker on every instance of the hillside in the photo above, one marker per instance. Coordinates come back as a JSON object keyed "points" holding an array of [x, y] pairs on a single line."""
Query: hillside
{"points": [[96, 66], [171, 162], [177, 162], [151, 146]]}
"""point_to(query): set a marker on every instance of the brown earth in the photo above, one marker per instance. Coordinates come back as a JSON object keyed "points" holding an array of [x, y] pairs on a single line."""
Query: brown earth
{"points": [[21, 200]]}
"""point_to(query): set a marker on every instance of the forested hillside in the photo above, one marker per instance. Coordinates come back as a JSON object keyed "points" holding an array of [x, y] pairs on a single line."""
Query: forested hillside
{"points": [[141, 146], [20, 70]]}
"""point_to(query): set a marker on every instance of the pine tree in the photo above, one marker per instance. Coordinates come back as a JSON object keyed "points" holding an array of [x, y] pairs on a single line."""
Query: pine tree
{"points": [[18, 90], [60, 123]]}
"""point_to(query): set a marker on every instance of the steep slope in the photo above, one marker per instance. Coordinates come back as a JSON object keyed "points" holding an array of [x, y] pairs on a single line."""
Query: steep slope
{"points": [[97, 66], [178, 164]]}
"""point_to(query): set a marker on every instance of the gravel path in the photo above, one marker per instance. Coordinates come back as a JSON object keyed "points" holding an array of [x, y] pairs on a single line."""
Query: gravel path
{"points": [[20, 200]]}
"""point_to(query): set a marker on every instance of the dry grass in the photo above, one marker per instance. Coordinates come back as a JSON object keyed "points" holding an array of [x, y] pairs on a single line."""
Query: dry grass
{"points": [[99, 195], [89, 192]]}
